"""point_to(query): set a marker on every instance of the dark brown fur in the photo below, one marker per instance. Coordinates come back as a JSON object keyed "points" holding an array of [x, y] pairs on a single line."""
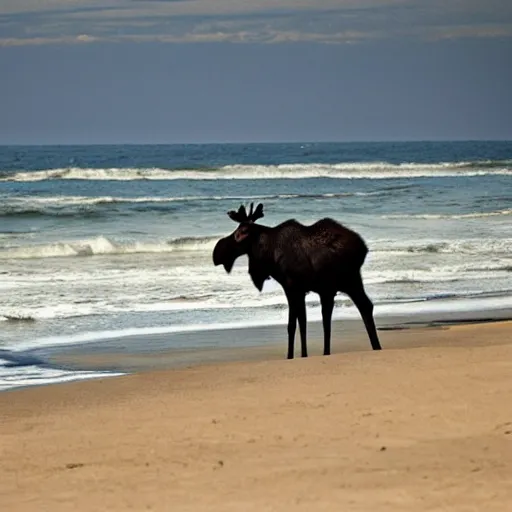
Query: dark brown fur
{"points": [[325, 258]]}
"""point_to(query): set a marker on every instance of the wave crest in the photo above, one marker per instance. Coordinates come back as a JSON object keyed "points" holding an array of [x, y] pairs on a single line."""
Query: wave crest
{"points": [[461, 246], [349, 170], [102, 245], [86, 206], [437, 216]]}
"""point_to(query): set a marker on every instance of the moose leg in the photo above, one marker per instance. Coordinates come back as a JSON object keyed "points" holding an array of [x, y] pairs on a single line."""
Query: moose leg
{"points": [[292, 326], [297, 311], [327, 307], [301, 314], [365, 307]]}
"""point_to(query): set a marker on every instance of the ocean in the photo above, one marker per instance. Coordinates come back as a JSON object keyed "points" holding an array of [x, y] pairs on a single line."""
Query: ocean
{"points": [[101, 242]]}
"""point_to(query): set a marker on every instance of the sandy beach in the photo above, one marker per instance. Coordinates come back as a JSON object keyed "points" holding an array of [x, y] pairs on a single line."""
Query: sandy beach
{"points": [[424, 425]]}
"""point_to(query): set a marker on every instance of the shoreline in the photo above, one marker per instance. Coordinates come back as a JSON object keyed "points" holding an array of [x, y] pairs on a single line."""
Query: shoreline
{"points": [[420, 426], [141, 353], [121, 355]]}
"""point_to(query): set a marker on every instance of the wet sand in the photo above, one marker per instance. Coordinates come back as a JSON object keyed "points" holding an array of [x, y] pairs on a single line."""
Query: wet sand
{"points": [[423, 425]]}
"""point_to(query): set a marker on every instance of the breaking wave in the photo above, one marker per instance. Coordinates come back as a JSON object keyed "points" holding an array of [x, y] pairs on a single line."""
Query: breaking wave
{"points": [[469, 246], [437, 216], [16, 318], [350, 170], [102, 245], [69, 206]]}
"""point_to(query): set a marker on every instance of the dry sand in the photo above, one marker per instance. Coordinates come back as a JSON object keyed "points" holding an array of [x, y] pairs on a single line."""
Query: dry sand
{"points": [[411, 428]]}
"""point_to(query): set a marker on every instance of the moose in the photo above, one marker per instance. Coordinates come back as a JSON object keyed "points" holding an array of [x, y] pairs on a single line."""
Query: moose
{"points": [[324, 258]]}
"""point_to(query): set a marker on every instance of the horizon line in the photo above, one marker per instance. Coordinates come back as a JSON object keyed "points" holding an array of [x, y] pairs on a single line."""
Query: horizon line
{"points": [[218, 143]]}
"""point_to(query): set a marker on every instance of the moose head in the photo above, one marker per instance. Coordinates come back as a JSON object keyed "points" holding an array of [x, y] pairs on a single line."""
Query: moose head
{"points": [[228, 249]]}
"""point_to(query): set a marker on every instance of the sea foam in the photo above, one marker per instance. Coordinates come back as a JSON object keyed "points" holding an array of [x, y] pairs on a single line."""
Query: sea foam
{"points": [[62, 205], [349, 170], [102, 245]]}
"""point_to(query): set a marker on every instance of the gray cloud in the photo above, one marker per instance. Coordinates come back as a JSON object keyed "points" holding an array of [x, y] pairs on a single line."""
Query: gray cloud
{"points": [[260, 21]]}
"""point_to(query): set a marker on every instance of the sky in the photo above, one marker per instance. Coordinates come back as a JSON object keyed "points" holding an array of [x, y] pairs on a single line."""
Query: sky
{"points": [[178, 71]]}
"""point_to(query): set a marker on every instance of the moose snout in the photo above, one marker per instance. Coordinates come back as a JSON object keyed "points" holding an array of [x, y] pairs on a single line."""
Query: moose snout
{"points": [[224, 253]]}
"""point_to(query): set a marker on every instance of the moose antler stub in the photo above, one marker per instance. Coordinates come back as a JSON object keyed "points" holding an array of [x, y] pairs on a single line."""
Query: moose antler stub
{"points": [[241, 215], [238, 216], [258, 213]]}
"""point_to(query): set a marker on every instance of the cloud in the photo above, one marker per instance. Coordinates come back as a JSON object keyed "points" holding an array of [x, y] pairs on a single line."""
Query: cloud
{"points": [[38, 41], [25, 22]]}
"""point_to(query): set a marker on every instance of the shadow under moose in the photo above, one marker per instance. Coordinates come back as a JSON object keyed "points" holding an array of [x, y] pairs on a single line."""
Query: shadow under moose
{"points": [[324, 258]]}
